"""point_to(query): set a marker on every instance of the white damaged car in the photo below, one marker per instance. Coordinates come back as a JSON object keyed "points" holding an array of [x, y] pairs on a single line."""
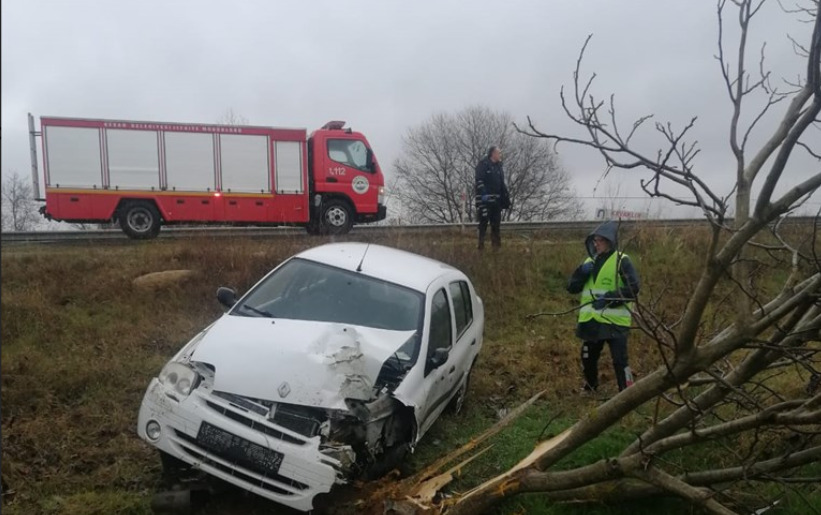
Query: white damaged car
{"points": [[332, 367]]}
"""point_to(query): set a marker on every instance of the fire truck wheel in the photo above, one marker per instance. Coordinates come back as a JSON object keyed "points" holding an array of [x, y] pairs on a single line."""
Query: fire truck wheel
{"points": [[140, 220], [336, 217]]}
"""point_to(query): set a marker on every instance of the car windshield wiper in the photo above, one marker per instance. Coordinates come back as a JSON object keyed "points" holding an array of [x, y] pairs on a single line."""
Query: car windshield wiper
{"points": [[261, 312]]}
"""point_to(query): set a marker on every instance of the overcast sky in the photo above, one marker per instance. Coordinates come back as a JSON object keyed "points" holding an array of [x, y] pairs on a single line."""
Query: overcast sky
{"points": [[383, 66]]}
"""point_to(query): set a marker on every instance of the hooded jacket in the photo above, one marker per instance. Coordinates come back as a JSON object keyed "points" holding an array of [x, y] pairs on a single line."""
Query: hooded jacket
{"points": [[593, 330]]}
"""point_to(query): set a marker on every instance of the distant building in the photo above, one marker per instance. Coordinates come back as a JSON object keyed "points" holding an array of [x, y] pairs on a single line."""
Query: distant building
{"points": [[619, 214]]}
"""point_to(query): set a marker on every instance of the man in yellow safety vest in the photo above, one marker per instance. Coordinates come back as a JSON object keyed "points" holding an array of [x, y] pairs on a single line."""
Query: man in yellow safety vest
{"points": [[608, 283]]}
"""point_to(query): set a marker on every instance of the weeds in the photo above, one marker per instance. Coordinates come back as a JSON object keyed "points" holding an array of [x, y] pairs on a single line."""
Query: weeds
{"points": [[80, 344]]}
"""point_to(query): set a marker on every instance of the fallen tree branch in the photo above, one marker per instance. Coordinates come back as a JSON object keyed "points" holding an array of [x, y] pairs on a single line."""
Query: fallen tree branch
{"points": [[770, 416], [666, 482], [431, 470], [409, 492], [747, 369], [726, 475]]}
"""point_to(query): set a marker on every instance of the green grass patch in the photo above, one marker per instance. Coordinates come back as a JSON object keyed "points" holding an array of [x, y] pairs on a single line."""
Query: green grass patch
{"points": [[80, 344]]}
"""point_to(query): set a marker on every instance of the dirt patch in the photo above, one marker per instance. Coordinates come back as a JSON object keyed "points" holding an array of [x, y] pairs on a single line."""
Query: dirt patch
{"points": [[164, 279]]}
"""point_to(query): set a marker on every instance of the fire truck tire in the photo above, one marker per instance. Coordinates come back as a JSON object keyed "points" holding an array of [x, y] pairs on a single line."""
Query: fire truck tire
{"points": [[337, 217], [140, 220]]}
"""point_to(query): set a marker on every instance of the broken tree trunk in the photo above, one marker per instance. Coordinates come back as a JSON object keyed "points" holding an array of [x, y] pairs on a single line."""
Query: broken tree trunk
{"points": [[416, 493]]}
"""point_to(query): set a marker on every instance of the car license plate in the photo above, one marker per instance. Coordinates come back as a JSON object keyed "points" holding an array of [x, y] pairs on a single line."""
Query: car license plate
{"points": [[232, 448]]}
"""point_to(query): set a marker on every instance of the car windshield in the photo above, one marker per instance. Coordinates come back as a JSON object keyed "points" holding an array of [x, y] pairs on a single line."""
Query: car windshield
{"points": [[305, 290]]}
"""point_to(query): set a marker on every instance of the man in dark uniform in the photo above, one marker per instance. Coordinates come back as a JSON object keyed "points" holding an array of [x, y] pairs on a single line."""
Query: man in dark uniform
{"points": [[491, 196], [608, 282]]}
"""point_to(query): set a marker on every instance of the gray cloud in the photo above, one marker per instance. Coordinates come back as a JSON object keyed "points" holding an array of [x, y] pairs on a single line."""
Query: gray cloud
{"points": [[380, 65]]}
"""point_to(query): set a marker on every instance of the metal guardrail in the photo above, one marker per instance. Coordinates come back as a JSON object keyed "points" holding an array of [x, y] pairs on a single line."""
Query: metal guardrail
{"points": [[172, 232]]}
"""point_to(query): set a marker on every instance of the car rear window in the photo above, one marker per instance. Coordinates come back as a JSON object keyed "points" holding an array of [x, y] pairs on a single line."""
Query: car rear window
{"points": [[306, 290]]}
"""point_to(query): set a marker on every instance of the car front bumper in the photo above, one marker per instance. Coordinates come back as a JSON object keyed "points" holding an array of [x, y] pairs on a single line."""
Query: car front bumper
{"points": [[248, 450]]}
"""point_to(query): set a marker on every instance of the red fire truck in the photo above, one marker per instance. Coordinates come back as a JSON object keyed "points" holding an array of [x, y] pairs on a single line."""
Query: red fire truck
{"points": [[146, 174]]}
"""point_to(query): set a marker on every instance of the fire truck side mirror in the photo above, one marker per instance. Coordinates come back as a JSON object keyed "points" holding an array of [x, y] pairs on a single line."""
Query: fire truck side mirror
{"points": [[369, 163], [226, 296]]}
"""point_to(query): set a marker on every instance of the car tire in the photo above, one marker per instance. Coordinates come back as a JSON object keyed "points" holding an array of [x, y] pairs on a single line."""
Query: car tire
{"points": [[337, 217], [457, 404], [392, 459], [172, 468], [140, 220]]}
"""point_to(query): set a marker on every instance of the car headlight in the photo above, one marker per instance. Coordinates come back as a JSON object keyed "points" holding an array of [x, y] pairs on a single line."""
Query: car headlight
{"points": [[178, 376]]}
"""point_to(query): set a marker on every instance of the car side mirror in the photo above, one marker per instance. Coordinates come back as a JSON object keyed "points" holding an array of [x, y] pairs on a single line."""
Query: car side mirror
{"points": [[369, 162], [226, 296], [439, 358]]}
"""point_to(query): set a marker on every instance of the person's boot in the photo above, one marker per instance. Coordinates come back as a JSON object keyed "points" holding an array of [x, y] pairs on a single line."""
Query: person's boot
{"points": [[587, 390]]}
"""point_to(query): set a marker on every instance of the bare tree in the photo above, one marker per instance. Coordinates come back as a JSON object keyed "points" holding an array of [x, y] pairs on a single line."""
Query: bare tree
{"points": [[229, 117], [436, 169], [19, 209], [751, 386]]}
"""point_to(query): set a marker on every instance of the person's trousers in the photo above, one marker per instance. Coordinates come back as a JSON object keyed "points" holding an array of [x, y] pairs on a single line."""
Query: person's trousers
{"points": [[591, 351], [490, 212]]}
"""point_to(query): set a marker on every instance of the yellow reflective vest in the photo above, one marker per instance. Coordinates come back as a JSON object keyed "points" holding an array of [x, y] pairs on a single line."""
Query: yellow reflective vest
{"points": [[608, 280]]}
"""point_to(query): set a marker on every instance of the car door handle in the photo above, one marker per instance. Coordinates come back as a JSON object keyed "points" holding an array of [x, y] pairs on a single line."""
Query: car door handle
{"points": [[473, 342], [333, 179], [452, 369]]}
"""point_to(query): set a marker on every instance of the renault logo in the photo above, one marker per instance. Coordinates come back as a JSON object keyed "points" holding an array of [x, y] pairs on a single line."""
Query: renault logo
{"points": [[284, 389]]}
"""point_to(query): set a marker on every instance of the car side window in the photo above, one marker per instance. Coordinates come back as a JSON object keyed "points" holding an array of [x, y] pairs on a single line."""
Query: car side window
{"points": [[462, 309], [441, 335]]}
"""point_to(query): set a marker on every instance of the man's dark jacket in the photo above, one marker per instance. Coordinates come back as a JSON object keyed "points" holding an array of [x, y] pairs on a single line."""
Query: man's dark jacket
{"points": [[490, 180]]}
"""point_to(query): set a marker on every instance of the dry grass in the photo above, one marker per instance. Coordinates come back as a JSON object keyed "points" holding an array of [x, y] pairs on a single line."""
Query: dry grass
{"points": [[80, 343]]}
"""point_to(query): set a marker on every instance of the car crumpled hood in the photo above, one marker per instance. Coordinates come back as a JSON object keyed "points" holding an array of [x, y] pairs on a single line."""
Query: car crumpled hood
{"points": [[322, 363]]}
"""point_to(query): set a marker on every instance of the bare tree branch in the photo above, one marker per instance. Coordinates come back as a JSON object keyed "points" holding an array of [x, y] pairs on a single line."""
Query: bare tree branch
{"points": [[738, 364]]}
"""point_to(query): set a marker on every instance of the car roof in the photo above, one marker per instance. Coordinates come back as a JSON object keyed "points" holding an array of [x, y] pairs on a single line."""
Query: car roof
{"points": [[386, 263]]}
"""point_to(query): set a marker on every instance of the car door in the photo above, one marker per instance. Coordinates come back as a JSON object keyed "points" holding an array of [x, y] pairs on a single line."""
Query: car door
{"points": [[439, 380]]}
